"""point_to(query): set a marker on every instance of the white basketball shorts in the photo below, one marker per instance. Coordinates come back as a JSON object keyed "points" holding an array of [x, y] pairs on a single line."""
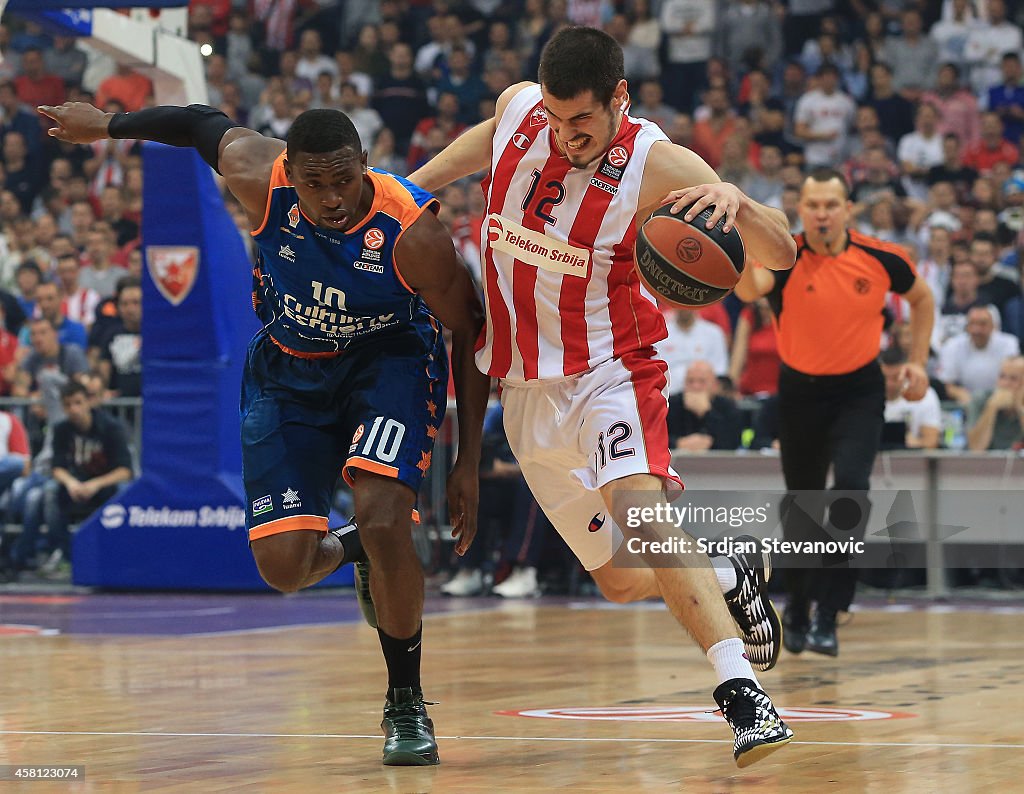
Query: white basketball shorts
{"points": [[575, 435]]}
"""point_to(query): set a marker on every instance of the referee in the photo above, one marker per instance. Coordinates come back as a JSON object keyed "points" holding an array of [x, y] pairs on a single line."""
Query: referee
{"points": [[828, 314]]}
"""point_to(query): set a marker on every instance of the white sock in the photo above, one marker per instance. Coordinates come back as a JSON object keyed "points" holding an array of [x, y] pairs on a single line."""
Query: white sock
{"points": [[726, 573], [730, 661]]}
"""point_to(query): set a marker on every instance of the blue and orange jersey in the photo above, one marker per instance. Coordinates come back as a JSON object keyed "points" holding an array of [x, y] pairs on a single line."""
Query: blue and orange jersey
{"points": [[317, 291]]}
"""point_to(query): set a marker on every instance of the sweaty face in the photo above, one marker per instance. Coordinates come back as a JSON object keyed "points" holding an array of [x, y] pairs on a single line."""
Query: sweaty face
{"points": [[583, 128], [333, 189]]}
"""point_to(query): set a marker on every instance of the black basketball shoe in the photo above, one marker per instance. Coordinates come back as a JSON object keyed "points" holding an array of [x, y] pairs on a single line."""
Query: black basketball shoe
{"points": [[408, 731], [751, 608], [757, 725]]}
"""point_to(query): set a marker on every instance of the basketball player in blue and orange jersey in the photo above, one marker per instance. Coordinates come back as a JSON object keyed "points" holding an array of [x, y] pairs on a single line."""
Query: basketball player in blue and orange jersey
{"points": [[349, 372], [572, 334]]}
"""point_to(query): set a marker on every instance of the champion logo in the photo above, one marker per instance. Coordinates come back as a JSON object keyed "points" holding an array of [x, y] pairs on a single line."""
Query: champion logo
{"points": [[494, 229], [538, 118], [286, 252], [520, 141], [373, 239], [596, 523], [618, 156], [293, 216], [290, 499]]}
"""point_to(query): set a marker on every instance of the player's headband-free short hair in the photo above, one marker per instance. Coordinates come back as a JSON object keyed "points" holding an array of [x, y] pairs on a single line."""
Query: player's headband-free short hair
{"points": [[580, 59], [322, 130]]}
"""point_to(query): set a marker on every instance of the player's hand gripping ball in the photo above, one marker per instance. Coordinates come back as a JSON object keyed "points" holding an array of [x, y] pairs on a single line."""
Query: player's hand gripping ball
{"points": [[685, 263]]}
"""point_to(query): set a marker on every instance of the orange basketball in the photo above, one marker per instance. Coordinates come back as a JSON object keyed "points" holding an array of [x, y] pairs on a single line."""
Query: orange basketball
{"points": [[685, 263]]}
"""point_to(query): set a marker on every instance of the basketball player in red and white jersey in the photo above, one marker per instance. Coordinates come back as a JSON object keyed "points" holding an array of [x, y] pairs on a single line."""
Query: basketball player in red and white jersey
{"points": [[571, 334]]}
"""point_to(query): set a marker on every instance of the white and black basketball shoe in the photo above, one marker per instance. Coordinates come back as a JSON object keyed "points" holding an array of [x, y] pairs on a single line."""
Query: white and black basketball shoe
{"points": [[750, 606], [758, 728]]}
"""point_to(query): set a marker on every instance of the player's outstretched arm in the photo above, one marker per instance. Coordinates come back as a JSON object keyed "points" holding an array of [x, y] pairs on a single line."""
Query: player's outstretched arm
{"points": [[467, 154], [427, 260], [246, 165], [674, 173]]}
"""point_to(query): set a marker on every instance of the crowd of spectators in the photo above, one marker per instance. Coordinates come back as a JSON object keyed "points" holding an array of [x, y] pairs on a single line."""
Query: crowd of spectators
{"points": [[920, 102]]}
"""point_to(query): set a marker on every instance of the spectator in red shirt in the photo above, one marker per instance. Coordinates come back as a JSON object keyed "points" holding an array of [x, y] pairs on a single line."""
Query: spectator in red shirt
{"points": [[992, 148], [35, 86], [709, 134], [8, 356], [755, 352]]}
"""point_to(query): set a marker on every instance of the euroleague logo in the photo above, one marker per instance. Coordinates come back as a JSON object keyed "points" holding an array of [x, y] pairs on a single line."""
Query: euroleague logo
{"points": [[689, 250], [618, 156], [373, 239], [862, 286], [494, 230]]}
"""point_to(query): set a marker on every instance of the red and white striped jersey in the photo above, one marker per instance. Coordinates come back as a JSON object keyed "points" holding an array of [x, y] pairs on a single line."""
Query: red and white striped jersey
{"points": [[560, 289]]}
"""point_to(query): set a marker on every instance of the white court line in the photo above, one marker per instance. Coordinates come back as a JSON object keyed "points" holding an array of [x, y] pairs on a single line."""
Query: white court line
{"points": [[619, 739]]}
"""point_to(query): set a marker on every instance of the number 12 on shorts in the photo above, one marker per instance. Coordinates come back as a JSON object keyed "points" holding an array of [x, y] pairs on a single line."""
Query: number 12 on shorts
{"points": [[383, 440], [614, 438]]}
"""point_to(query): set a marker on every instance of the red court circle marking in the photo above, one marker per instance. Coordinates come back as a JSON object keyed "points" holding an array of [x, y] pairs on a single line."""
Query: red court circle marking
{"points": [[700, 714]]}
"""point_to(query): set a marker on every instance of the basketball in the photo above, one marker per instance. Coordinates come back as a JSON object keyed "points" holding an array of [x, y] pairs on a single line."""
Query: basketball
{"points": [[685, 263]]}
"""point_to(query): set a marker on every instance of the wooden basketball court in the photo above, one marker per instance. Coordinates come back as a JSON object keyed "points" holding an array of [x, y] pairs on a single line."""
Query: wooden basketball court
{"points": [[265, 693]]}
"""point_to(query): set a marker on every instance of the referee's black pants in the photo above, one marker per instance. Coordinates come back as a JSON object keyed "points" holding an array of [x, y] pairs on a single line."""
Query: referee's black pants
{"points": [[829, 421]]}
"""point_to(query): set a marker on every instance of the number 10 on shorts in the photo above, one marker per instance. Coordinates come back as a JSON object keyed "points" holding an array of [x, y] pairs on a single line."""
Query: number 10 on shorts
{"points": [[383, 440]]}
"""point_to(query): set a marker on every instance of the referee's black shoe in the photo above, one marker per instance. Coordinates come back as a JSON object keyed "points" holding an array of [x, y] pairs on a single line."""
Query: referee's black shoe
{"points": [[750, 606], [821, 638], [408, 731], [758, 728], [795, 622]]}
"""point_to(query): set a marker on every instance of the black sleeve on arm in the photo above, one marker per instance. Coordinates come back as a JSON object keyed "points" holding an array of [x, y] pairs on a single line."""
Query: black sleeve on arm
{"points": [[198, 126], [900, 271]]}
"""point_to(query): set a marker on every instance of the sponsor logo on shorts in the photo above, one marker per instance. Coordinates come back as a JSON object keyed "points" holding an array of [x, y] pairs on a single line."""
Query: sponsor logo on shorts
{"points": [[290, 499], [369, 267], [596, 523], [373, 239], [293, 216], [262, 505], [286, 252]]}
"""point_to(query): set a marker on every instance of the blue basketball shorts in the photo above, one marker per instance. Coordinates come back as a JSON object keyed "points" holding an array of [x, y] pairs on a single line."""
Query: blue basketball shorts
{"points": [[376, 407]]}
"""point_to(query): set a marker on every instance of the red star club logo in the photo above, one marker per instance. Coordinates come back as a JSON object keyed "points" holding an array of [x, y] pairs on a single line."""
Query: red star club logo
{"points": [[173, 269]]}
